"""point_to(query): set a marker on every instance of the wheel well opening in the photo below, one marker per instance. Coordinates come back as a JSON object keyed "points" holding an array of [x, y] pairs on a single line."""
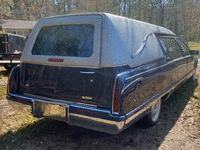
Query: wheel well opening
{"points": [[165, 97]]}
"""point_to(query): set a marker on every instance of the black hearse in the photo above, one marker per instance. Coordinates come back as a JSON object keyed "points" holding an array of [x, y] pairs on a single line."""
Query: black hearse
{"points": [[11, 47], [99, 71]]}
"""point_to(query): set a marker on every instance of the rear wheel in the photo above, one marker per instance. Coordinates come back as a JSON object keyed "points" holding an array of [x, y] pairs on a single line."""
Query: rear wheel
{"points": [[154, 115]]}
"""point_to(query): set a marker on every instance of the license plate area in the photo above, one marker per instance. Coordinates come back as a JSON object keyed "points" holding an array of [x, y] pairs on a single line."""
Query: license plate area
{"points": [[50, 110]]}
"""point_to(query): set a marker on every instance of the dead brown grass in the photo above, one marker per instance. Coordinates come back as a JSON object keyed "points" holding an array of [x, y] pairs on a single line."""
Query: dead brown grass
{"points": [[197, 100]]}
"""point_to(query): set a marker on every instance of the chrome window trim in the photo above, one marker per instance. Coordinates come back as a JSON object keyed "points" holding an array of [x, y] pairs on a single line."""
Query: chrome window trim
{"points": [[169, 62]]}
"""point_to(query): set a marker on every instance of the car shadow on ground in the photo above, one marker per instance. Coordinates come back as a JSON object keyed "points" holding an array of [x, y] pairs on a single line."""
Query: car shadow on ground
{"points": [[49, 134]]}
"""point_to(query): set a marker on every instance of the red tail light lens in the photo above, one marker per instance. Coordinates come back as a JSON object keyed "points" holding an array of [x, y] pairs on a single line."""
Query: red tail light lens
{"points": [[116, 98]]}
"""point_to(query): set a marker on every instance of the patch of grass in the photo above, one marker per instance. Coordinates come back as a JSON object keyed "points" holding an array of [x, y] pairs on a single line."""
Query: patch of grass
{"points": [[3, 91], [16, 129], [16, 122], [1, 76]]}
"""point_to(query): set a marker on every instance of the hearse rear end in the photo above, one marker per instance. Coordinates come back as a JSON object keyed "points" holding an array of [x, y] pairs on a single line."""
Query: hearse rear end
{"points": [[99, 71]]}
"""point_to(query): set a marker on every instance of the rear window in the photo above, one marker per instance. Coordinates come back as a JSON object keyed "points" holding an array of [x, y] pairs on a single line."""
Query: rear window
{"points": [[16, 43], [65, 40]]}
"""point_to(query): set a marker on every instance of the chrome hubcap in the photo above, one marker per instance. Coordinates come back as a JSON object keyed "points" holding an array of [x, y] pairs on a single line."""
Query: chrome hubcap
{"points": [[155, 110]]}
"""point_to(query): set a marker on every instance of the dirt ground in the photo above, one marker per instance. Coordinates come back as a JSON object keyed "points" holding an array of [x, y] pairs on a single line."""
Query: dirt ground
{"points": [[176, 130]]}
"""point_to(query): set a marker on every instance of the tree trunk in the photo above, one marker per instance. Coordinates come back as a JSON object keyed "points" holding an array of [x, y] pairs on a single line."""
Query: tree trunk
{"points": [[129, 8], [139, 12], [151, 12], [162, 13], [124, 8], [176, 21], [119, 7]]}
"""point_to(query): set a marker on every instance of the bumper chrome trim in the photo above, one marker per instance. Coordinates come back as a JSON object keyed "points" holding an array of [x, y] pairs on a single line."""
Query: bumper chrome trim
{"points": [[109, 124], [98, 124]]}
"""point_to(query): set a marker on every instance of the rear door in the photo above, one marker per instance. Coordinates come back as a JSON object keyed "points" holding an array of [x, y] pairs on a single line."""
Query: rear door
{"points": [[61, 60], [187, 55], [177, 57]]}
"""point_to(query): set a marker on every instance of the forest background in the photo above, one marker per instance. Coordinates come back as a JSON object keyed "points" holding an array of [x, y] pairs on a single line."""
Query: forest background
{"points": [[180, 16]]}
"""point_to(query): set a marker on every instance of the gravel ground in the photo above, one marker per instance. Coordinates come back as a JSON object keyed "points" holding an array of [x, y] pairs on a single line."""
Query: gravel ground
{"points": [[176, 130]]}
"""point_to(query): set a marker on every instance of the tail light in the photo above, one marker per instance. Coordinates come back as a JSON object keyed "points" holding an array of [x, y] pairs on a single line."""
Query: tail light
{"points": [[116, 98]]}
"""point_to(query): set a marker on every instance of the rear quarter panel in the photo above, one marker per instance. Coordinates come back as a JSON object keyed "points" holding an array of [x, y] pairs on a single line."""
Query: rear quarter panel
{"points": [[148, 82]]}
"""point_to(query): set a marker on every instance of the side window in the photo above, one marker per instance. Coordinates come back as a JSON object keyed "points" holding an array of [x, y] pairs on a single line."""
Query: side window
{"points": [[184, 48], [174, 50], [162, 43]]}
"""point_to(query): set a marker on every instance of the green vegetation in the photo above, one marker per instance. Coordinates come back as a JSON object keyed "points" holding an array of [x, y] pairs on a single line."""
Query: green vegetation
{"points": [[182, 17], [1, 76], [5, 7], [10, 129], [194, 46], [2, 91]]}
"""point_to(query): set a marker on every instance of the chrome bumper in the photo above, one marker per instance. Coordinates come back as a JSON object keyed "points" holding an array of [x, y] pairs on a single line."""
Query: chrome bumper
{"points": [[76, 114]]}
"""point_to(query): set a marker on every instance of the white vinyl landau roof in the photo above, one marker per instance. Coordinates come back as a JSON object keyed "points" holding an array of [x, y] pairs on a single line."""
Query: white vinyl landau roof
{"points": [[122, 37], [116, 40]]}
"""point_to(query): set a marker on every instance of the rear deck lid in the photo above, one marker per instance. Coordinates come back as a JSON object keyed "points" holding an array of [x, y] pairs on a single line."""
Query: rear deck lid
{"points": [[61, 60], [65, 41]]}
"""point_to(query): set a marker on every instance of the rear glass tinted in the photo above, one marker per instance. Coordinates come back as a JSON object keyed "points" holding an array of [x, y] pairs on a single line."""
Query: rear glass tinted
{"points": [[65, 40]]}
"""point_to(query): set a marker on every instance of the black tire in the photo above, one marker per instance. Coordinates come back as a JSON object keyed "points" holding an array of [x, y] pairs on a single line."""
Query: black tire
{"points": [[153, 116]]}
